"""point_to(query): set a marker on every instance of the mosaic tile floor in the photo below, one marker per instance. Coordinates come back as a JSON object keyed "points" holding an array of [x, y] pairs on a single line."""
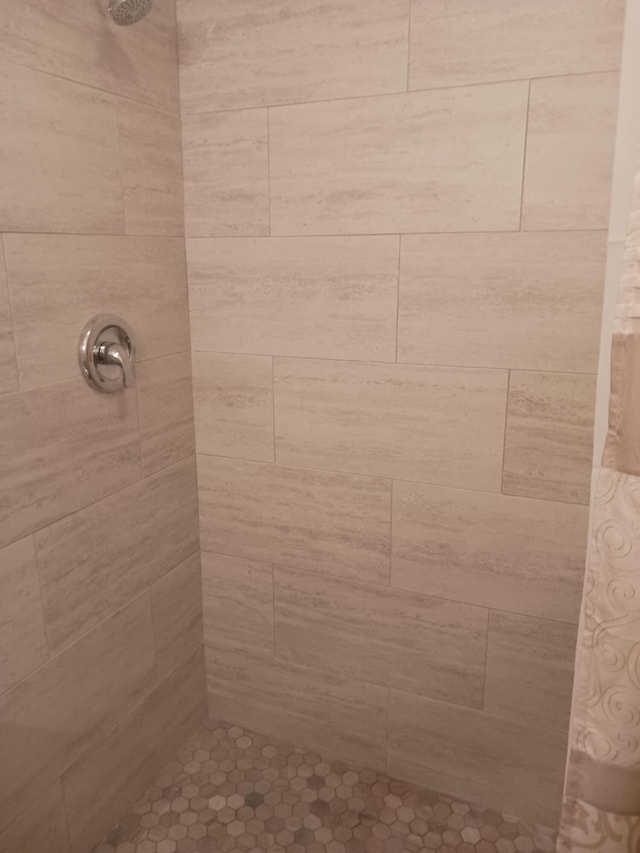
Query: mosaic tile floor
{"points": [[235, 791]]}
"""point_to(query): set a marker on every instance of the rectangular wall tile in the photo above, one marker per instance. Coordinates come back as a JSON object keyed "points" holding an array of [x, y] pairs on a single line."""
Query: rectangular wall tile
{"points": [[23, 642], [51, 718], [233, 403], [396, 639], [89, 570], [317, 519], [237, 602], [434, 424], [496, 762], [336, 716], [324, 297], [8, 366], [455, 42], [176, 606], [524, 300], [226, 173], [449, 160], [549, 436], [42, 828], [59, 282], [48, 461], [61, 166], [570, 140], [530, 670], [493, 550]]}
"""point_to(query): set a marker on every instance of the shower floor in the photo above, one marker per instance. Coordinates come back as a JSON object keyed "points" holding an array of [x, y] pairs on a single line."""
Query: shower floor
{"points": [[232, 790]]}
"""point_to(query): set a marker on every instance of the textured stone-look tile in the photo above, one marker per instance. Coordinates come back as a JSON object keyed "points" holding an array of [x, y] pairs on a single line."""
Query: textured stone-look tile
{"points": [[233, 403], [570, 139], [23, 642], [59, 282], [8, 366], [100, 786], [432, 424], [61, 166], [498, 551], [52, 717], [226, 173], [524, 300], [455, 42], [323, 297], [176, 606], [49, 466], [530, 670], [324, 521], [449, 160], [500, 763], [237, 601], [397, 639], [282, 52], [152, 169], [165, 402], [548, 442], [336, 715], [42, 828], [89, 570]]}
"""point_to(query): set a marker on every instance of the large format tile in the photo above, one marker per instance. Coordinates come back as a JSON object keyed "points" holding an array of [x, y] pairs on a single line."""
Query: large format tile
{"points": [[176, 605], [324, 521], [58, 282], [233, 403], [280, 52], [396, 639], [49, 466], [432, 424], [344, 718], [497, 551], [524, 300], [62, 709], [23, 642], [8, 366], [226, 173], [454, 42], [449, 160], [325, 297], [548, 441], [42, 828], [570, 139], [88, 570]]}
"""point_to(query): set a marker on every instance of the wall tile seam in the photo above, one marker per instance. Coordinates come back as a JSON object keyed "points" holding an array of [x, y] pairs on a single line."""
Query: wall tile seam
{"points": [[363, 235], [5, 267]]}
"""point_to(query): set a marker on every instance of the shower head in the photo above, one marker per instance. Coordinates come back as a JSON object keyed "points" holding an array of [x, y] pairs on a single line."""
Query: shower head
{"points": [[125, 12]]}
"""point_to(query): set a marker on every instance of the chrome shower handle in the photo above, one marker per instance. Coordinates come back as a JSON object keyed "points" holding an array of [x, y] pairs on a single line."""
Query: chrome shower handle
{"points": [[117, 354], [106, 353]]}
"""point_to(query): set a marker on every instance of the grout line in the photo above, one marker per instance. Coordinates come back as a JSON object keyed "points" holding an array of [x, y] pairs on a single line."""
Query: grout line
{"points": [[486, 661], [504, 434], [362, 235], [273, 403], [273, 607], [40, 596], [524, 154], [390, 576], [398, 293], [5, 264]]}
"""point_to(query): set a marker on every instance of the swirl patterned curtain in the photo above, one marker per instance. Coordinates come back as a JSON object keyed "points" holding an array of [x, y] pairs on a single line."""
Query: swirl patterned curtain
{"points": [[601, 809]]}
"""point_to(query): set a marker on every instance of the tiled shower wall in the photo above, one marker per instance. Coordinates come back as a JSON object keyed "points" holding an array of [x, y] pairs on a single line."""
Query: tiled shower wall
{"points": [[100, 628], [395, 216]]}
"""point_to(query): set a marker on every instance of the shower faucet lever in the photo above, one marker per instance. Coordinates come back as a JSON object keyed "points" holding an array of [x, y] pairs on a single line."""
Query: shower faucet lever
{"points": [[106, 353], [116, 354]]}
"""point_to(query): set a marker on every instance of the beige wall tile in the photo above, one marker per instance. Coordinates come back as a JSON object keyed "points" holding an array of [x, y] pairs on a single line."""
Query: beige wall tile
{"points": [[233, 403], [226, 173], [42, 828], [548, 442], [62, 709], [454, 42], [281, 52], [61, 167], [337, 716], [474, 756], [325, 297], [151, 150], [8, 366], [88, 570], [430, 161], [59, 282], [23, 642], [176, 606], [237, 602], [316, 519], [530, 670], [49, 466], [396, 639], [434, 424], [570, 139], [524, 300], [497, 551], [165, 401]]}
